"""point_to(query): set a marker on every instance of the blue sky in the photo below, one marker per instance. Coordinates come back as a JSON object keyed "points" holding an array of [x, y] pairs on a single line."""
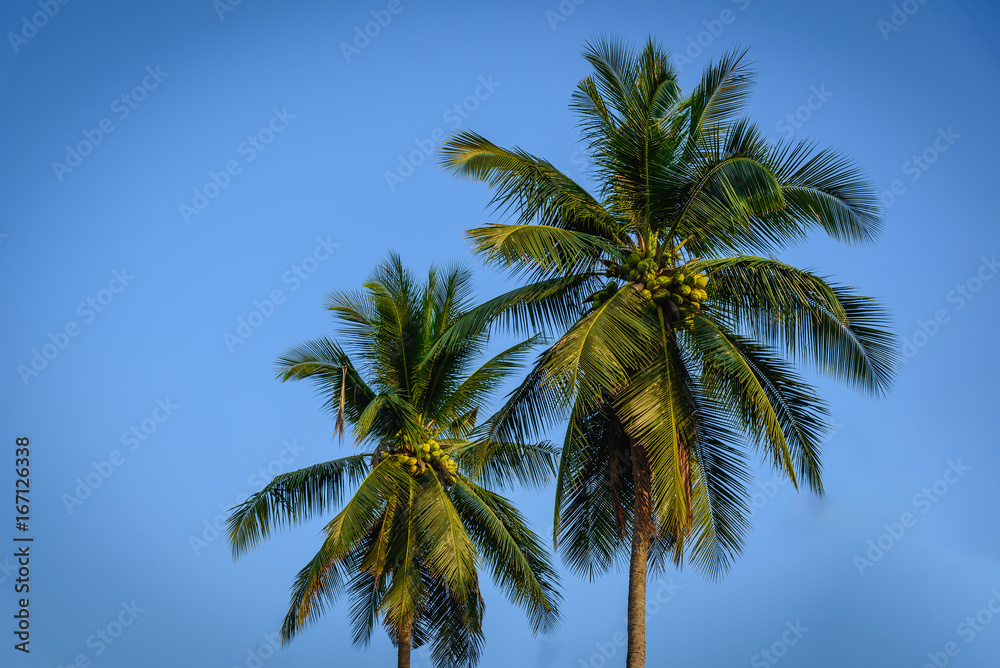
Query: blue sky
{"points": [[240, 159]]}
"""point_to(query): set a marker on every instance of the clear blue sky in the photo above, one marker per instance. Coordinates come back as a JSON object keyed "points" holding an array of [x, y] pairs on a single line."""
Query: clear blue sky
{"points": [[300, 134]]}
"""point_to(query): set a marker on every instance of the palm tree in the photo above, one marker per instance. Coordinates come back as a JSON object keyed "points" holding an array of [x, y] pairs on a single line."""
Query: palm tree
{"points": [[407, 546], [677, 331]]}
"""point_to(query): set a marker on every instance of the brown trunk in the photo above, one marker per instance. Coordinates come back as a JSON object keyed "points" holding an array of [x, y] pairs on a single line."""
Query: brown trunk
{"points": [[404, 644], [641, 530]]}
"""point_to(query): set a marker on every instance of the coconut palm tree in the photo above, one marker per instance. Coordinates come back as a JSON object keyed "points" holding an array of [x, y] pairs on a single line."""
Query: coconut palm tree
{"points": [[407, 545], [678, 334]]}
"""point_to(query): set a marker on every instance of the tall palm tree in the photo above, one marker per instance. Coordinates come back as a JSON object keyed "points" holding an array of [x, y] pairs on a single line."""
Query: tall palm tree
{"points": [[677, 332], [408, 544]]}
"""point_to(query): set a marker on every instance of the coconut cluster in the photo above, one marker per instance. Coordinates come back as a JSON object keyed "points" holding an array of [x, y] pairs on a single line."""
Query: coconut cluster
{"points": [[424, 455], [679, 290]]}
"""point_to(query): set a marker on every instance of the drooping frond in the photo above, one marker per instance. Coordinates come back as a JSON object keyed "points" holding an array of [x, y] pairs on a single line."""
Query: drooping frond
{"points": [[536, 190], [842, 334], [519, 564], [294, 497]]}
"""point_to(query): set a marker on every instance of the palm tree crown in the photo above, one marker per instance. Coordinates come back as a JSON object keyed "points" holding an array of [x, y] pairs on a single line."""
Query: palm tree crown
{"points": [[407, 545]]}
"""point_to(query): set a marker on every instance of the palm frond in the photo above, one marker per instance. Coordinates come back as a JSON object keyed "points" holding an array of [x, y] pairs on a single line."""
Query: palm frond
{"points": [[293, 497]]}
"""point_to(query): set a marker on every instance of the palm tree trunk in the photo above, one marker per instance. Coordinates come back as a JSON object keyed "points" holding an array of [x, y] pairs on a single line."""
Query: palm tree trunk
{"points": [[405, 629], [641, 529]]}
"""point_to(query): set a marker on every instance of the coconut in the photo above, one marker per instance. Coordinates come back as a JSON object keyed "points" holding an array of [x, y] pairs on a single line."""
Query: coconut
{"points": [[702, 281]]}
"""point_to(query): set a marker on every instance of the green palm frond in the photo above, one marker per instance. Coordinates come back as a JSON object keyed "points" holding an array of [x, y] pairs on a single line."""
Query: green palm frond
{"points": [[498, 464], [455, 625], [481, 384], [547, 305], [451, 557], [841, 333], [294, 497], [537, 190], [597, 352], [825, 189], [719, 98], [594, 492], [318, 585], [540, 251], [520, 566], [720, 491], [774, 387]]}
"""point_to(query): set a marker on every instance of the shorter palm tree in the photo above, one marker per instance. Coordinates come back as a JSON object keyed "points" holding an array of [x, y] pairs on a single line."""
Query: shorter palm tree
{"points": [[408, 544]]}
